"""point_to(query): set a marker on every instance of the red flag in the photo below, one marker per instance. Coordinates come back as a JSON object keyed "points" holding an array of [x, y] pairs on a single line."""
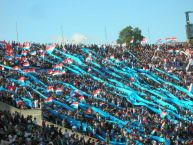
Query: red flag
{"points": [[89, 111], [16, 68], [68, 60], [9, 50]]}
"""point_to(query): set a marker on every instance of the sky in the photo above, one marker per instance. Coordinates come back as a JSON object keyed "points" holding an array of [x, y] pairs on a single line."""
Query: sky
{"points": [[91, 21]]}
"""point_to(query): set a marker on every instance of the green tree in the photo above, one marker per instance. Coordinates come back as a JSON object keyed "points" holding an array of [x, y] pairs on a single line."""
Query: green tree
{"points": [[129, 33]]}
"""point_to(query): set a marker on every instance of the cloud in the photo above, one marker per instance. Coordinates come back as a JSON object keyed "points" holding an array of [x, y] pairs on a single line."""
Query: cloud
{"points": [[78, 38], [75, 39]]}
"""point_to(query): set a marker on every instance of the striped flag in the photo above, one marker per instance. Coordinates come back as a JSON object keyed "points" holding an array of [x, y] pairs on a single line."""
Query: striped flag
{"points": [[74, 105], [24, 52], [143, 41], [50, 89], [50, 71], [26, 45], [21, 79], [50, 48], [29, 70], [58, 66], [48, 100], [112, 57], [57, 72], [58, 90], [82, 99], [68, 60], [96, 92], [101, 104], [16, 68], [170, 39], [163, 114], [26, 64]]}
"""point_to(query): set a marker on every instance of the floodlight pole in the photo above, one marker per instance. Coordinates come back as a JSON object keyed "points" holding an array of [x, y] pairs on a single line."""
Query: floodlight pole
{"points": [[188, 25], [17, 33]]}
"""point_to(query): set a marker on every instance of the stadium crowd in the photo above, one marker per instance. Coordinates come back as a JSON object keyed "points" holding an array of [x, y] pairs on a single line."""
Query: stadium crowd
{"points": [[173, 58]]}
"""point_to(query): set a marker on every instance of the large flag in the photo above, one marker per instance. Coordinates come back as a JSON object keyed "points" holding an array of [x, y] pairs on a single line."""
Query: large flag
{"points": [[50, 48], [170, 39]]}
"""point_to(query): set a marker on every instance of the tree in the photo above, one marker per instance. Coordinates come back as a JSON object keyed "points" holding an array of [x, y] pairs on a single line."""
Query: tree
{"points": [[129, 33]]}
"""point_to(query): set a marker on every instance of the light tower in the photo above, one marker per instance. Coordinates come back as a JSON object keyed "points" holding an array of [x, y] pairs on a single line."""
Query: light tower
{"points": [[189, 27]]}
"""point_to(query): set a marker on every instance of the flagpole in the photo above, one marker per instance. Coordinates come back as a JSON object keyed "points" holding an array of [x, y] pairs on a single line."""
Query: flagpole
{"points": [[62, 34], [106, 36], [149, 35], [17, 35]]}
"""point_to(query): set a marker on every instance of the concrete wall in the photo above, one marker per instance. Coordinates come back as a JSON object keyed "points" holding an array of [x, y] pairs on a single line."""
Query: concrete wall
{"points": [[35, 113]]}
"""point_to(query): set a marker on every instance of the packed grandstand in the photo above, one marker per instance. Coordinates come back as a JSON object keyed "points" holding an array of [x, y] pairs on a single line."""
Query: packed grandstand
{"points": [[119, 95]]}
